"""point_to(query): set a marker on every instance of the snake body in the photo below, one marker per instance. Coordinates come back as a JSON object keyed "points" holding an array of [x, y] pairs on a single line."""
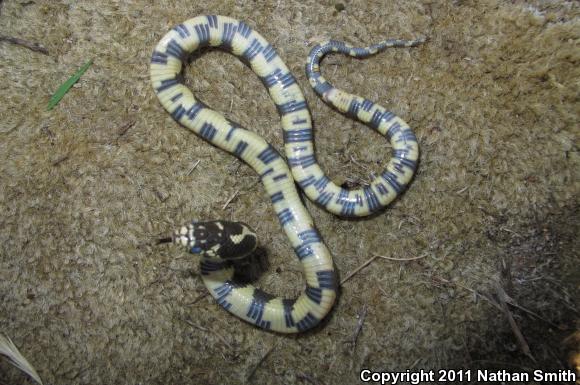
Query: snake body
{"points": [[217, 242]]}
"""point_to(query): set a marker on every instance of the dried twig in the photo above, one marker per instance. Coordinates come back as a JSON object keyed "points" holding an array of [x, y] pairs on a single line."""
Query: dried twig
{"points": [[515, 329], [401, 259], [193, 167], [60, 159], [24, 43], [509, 231], [125, 127], [352, 273], [375, 256], [253, 371], [508, 300], [511, 302], [359, 325], [230, 199], [502, 306], [221, 338], [415, 363], [199, 298]]}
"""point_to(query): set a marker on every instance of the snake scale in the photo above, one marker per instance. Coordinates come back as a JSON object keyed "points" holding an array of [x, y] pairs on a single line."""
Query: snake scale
{"points": [[218, 242]]}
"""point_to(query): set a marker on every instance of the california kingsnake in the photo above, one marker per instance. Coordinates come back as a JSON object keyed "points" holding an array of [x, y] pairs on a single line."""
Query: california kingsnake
{"points": [[219, 241]]}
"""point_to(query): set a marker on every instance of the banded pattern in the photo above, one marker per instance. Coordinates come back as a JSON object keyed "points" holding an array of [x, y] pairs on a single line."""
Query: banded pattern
{"points": [[401, 167], [245, 301]]}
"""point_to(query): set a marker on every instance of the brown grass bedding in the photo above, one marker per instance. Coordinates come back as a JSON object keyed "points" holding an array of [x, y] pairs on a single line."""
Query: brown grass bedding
{"points": [[86, 188]]}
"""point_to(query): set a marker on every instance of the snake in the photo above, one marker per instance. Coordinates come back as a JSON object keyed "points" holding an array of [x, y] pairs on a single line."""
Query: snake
{"points": [[219, 243]]}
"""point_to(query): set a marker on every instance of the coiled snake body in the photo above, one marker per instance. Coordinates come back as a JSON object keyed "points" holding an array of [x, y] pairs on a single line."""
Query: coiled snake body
{"points": [[219, 241]]}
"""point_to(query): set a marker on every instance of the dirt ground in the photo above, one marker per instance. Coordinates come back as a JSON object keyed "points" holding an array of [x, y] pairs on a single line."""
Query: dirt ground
{"points": [[493, 212]]}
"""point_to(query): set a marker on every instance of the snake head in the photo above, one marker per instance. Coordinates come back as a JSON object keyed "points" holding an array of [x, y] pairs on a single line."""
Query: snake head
{"points": [[216, 240]]}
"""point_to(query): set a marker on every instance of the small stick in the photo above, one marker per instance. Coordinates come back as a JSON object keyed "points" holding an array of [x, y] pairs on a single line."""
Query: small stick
{"points": [[496, 305], [415, 363], [401, 259], [199, 297], [222, 339], [253, 371], [359, 325], [60, 160], [509, 231], [365, 264], [475, 292], [193, 167], [26, 44], [125, 127], [375, 256], [516, 330], [532, 313], [231, 199]]}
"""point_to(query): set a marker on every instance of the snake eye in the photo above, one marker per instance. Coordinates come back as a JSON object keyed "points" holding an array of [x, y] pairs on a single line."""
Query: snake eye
{"points": [[195, 250]]}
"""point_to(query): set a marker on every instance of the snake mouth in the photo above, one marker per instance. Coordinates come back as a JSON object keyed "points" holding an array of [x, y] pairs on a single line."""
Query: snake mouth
{"points": [[177, 238], [161, 241]]}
